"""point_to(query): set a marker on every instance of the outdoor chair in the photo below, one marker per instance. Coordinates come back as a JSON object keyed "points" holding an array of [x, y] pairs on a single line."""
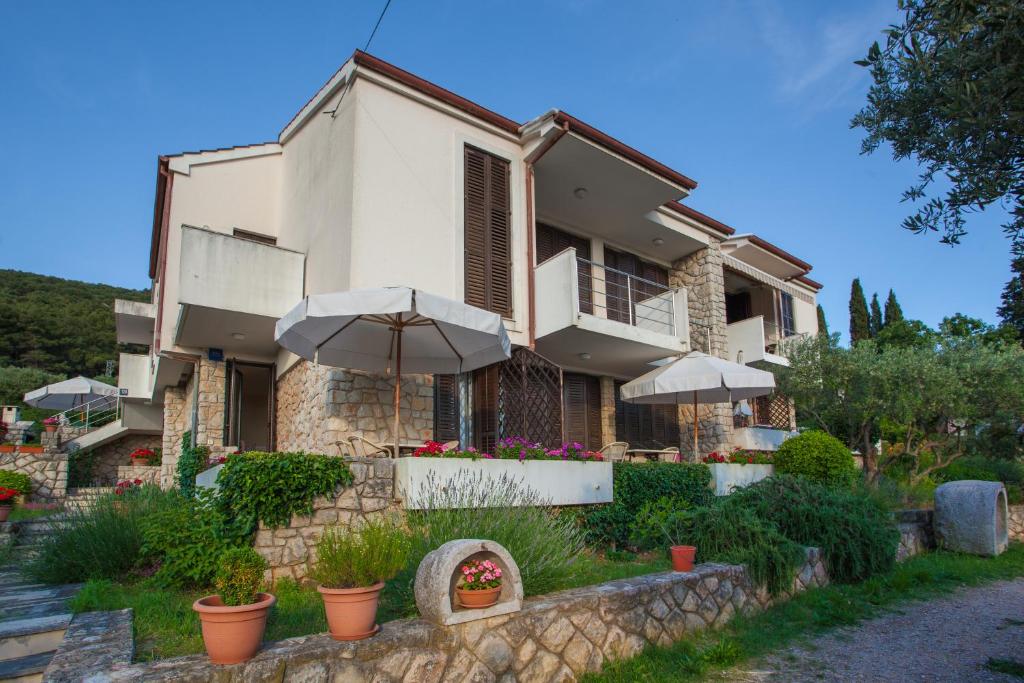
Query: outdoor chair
{"points": [[344, 449], [449, 445], [364, 448], [669, 455], [614, 451]]}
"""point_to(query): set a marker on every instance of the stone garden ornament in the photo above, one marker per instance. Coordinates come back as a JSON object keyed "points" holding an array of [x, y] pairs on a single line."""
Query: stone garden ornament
{"points": [[391, 329]]}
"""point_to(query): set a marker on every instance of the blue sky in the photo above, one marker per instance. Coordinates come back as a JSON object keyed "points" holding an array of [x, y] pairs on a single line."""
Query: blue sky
{"points": [[751, 99]]}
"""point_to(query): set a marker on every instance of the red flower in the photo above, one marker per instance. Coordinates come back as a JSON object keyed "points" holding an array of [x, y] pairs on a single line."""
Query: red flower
{"points": [[6, 494]]}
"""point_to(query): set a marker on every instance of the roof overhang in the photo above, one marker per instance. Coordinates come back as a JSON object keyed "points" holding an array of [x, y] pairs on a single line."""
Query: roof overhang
{"points": [[765, 256]]}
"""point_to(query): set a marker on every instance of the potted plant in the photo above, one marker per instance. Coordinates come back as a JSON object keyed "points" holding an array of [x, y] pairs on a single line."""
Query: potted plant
{"points": [[479, 585], [234, 619], [51, 423], [142, 456], [666, 519], [351, 567], [7, 497]]}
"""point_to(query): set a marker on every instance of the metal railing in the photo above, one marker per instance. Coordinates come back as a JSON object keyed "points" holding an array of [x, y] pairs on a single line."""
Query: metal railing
{"points": [[626, 298], [89, 416]]}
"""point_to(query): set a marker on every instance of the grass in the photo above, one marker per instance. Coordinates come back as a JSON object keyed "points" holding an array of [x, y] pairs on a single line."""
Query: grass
{"points": [[814, 612], [1006, 666], [166, 626], [23, 514]]}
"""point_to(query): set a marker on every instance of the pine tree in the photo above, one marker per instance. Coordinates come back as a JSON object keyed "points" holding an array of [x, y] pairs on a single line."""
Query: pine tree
{"points": [[1011, 310], [875, 323], [822, 323], [860, 325], [893, 312]]}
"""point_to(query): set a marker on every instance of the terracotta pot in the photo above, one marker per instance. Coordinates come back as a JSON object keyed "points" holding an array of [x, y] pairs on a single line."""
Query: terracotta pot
{"points": [[50, 428], [7, 448], [478, 598], [5, 510], [351, 612], [31, 449], [140, 462], [682, 557], [233, 634]]}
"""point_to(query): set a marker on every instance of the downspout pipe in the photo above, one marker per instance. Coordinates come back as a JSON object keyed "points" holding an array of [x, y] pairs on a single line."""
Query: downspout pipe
{"points": [[531, 230]]}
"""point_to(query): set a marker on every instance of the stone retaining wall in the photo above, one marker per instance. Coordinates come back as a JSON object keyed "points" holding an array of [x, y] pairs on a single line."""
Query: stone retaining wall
{"points": [[48, 471], [916, 533], [288, 549], [1015, 528], [149, 474], [109, 458], [556, 637]]}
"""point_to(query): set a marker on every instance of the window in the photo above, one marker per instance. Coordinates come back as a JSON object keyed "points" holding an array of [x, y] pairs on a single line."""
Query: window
{"points": [[645, 426], [786, 305], [446, 408], [551, 241], [581, 409], [623, 295], [488, 241]]}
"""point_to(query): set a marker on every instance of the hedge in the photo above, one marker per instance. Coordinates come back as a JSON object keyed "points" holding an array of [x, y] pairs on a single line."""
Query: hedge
{"points": [[638, 483], [817, 456]]}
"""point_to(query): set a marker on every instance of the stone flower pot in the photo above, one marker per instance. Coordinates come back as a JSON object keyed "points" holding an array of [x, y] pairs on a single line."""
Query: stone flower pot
{"points": [[682, 557], [5, 511], [233, 634], [351, 612], [479, 598]]}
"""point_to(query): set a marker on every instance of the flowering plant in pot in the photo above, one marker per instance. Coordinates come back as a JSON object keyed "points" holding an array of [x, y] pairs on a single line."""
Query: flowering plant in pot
{"points": [[234, 619], [142, 456], [351, 567], [479, 584], [7, 497], [666, 519], [51, 423]]}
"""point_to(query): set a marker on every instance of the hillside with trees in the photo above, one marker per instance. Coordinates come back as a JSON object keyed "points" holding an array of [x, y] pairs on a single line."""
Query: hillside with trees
{"points": [[60, 327]]}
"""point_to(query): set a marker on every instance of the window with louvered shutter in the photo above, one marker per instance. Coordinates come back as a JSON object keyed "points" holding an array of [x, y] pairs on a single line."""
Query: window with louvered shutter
{"points": [[486, 424], [488, 239], [446, 408], [551, 241], [581, 409], [646, 426]]}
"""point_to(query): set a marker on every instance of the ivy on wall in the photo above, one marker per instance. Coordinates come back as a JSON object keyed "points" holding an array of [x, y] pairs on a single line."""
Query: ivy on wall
{"points": [[190, 464]]}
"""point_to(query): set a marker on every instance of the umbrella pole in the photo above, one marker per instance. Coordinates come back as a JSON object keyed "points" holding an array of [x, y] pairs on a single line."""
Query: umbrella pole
{"points": [[398, 386], [696, 426]]}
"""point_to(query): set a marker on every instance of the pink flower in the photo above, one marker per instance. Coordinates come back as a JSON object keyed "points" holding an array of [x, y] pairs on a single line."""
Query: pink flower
{"points": [[469, 578], [497, 572]]}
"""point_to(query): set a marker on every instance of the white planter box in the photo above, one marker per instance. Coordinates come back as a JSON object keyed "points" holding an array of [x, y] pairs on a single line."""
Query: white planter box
{"points": [[728, 476], [558, 483]]}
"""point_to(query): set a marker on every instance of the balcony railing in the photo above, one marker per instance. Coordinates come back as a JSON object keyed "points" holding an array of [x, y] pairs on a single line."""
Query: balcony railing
{"points": [[626, 298], [756, 339]]}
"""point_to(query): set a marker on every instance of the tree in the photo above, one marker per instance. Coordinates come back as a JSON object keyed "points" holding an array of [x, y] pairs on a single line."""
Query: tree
{"points": [[1011, 310], [860, 325], [875, 321], [930, 403], [947, 94], [961, 329], [822, 323], [893, 312]]}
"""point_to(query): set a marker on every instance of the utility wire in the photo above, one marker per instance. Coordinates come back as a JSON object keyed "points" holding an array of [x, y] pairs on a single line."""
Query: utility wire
{"points": [[334, 112]]}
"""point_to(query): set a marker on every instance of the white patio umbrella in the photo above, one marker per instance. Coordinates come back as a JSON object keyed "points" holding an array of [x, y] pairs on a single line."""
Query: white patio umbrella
{"points": [[69, 394], [391, 329], [698, 378]]}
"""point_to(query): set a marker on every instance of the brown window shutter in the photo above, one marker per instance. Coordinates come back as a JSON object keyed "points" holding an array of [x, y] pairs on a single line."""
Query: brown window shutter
{"points": [[582, 409], [485, 407], [446, 408], [488, 239], [646, 426]]}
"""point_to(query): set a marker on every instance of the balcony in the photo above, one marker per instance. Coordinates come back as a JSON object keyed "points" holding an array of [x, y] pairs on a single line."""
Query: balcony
{"points": [[756, 339], [598, 319], [134, 321], [134, 376], [232, 291]]}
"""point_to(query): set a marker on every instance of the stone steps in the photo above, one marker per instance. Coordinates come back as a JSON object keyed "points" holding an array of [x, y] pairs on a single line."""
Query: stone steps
{"points": [[83, 499], [25, 669]]}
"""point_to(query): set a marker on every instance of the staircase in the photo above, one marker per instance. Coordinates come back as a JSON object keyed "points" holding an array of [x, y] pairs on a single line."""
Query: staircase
{"points": [[84, 499], [33, 617]]}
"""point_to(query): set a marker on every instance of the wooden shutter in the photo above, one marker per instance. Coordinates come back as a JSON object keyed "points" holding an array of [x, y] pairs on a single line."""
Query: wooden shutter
{"points": [[646, 426], [551, 241], [581, 411], [485, 407], [488, 240], [446, 408]]}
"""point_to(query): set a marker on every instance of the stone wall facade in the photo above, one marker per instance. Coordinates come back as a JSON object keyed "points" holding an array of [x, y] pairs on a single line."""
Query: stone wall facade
{"points": [[48, 470], [148, 474], [1015, 526], [289, 549], [107, 458], [178, 412], [608, 410], [318, 406], [702, 274], [177, 419], [556, 637]]}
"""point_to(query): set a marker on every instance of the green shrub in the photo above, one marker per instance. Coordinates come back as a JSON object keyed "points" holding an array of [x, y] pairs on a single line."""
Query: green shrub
{"points": [[21, 483], [661, 522], [358, 557], [240, 576], [103, 543], [636, 484], [545, 544], [181, 540], [854, 531], [818, 456], [271, 487], [1010, 472], [190, 463], [736, 535]]}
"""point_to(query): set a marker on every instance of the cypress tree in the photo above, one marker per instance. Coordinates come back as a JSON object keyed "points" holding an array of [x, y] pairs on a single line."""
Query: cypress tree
{"points": [[1011, 308], [822, 323], [893, 312], [860, 326], [876, 316]]}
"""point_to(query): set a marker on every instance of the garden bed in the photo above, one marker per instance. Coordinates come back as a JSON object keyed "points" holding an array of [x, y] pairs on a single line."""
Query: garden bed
{"points": [[556, 482]]}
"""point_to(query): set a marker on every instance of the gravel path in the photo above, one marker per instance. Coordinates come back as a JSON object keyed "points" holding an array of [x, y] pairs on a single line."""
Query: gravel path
{"points": [[946, 639]]}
